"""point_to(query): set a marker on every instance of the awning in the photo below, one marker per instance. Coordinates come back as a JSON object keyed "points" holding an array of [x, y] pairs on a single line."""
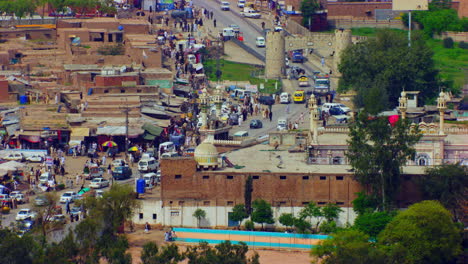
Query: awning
{"points": [[78, 133], [118, 131], [152, 129], [148, 136]]}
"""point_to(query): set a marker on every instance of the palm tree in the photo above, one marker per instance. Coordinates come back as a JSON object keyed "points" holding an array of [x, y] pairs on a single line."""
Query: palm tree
{"points": [[199, 214]]}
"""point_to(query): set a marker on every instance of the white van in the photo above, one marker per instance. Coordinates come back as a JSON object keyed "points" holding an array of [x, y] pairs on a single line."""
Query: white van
{"points": [[285, 98], [327, 106], [46, 177], [260, 42], [147, 165], [151, 179], [166, 147]]}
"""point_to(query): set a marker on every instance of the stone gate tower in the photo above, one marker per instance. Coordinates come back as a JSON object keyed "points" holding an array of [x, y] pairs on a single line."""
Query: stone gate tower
{"points": [[275, 58], [342, 41]]}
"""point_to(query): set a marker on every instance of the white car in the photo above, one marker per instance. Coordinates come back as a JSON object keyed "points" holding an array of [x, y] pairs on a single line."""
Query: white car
{"points": [[225, 6], [24, 214], [118, 162], [260, 42], [68, 197], [327, 106], [98, 183], [45, 177], [241, 3], [15, 157], [18, 196], [35, 158], [251, 13]]}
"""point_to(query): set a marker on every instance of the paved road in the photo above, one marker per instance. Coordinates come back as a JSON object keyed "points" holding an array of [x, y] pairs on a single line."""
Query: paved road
{"points": [[225, 18]]}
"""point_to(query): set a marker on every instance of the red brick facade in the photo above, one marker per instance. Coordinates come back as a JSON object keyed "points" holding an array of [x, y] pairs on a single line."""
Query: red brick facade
{"points": [[115, 80]]}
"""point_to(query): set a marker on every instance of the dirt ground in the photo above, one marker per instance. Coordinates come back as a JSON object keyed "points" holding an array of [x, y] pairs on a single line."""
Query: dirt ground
{"points": [[139, 238]]}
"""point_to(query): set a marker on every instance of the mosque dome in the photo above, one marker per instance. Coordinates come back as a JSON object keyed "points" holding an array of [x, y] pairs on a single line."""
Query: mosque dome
{"points": [[206, 154]]}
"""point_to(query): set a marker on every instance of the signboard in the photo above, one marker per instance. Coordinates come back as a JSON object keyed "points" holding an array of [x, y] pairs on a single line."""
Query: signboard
{"points": [[49, 161], [405, 5], [251, 88]]}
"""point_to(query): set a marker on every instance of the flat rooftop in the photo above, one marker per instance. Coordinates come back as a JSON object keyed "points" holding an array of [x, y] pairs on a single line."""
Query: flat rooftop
{"points": [[263, 158]]}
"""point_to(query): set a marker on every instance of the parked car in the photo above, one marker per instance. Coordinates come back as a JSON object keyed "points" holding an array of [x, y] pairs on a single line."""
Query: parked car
{"points": [[118, 162], [326, 107], [75, 211], [266, 100], [15, 157], [35, 158], [24, 214], [260, 42], [59, 218], [233, 119], [98, 183], [68, 197], [241, 3], [225, 6], [40, 200], [18, 196], [255, 123], [122, 173], [45, 177], [5, 197]]}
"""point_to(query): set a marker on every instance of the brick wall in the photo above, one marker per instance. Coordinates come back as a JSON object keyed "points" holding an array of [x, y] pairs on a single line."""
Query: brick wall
{"points": [[4, 91], [115, 80], [180, 181], [356, 9]]}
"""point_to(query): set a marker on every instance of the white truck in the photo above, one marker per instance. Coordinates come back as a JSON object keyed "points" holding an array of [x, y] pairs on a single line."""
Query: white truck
{"points": [[285, 98], [250, 13]]}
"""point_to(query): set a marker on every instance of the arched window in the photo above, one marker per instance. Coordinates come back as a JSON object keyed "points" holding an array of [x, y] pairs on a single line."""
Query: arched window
{"points": [[422, 160]]}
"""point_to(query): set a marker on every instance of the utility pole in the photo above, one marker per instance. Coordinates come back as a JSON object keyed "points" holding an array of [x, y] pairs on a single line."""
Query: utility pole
{"points": [[126, 110]]}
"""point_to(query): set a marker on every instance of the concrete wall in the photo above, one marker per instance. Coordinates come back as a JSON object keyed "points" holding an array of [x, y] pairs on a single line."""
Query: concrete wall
{"points": [[216, 216], [363, 10]]}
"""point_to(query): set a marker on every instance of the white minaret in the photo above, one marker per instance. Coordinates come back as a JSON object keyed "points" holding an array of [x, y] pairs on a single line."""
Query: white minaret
{"points": [[441, 105], [403, 104], [204, 98], [218, 100], [314, 118]]}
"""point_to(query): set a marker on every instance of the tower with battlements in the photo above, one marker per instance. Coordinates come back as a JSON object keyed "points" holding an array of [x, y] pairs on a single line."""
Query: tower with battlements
{"points": [[275, 59], [342, 41]]}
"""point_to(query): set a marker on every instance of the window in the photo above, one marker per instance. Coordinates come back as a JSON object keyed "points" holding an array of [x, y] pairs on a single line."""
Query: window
{"points": [[305, 203], [282, 177], [282, 203], [322, 178], [106, 91], [229, 177], [339, 203], [48, 36], [122, 90], [178, 176], [205, 177], [138, 90], [256, 177], [321, 203], [155, 216], [206, 203], [174, 213], [230, 203], [305, 177], [140, 215], [339, 178]]}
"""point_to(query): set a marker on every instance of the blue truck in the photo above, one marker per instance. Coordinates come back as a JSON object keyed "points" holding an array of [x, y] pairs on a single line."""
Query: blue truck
{"points": [[296, 56]]}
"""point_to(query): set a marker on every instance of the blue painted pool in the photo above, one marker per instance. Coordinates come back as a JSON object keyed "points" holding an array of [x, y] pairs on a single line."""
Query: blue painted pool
{"points": [[248, 233], [249, 243]]}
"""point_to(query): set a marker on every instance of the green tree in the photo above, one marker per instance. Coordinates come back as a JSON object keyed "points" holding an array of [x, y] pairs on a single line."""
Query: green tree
{"points": [[46, 213], [446, 183], [425, 233], [372, 223], [199, 214], [224, 252], [248, 195], [287, 219], [262, 212], [364, 203], [238, 213], [302, 226], [347, 247], [377, 151], [331, 211], [311, 211], [83, 6], [381, 67], [168, 254], [308, 9], [249, 225], [21, 8], [16, 250]]}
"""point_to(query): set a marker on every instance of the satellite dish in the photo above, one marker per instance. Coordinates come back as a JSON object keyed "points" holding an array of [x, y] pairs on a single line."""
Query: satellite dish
{"points": [[76, 41]]}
